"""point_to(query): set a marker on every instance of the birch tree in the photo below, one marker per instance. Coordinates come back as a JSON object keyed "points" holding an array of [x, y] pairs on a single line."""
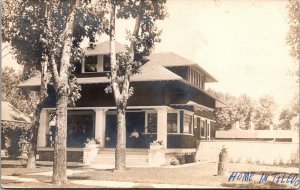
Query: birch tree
{"points": [[142, 39]]}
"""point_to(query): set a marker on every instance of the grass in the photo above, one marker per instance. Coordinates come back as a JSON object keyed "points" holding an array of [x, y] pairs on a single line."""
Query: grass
{"points": [[203, 174]]}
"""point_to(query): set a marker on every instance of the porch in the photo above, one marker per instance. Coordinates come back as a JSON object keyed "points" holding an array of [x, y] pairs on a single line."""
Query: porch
{"points": [[135, 157], [177, 129], [173, 127]]}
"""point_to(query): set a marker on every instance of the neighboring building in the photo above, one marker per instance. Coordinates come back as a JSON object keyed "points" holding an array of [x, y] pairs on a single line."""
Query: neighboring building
{"points": [[9, 113], [258, 135], [169, 104], [14, 127]]}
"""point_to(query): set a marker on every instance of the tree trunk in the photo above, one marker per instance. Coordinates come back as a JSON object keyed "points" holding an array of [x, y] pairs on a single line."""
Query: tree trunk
{"points": [[60, 153], [120, 157], [62, 88], [120, 154], [32, 151]]}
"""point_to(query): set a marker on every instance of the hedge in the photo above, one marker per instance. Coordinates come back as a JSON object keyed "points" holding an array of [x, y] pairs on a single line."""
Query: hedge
{"points": [[12, 134]]}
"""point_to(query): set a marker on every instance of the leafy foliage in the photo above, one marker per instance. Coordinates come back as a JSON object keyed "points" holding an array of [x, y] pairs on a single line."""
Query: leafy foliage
{"points": [[264, 112], [289, 116], [23, 100], [293, 38], [142, 38], [245, 110], [12, 133]]}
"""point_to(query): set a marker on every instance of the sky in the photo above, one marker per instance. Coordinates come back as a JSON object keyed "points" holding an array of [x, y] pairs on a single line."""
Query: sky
{"points": [[241, 43]]}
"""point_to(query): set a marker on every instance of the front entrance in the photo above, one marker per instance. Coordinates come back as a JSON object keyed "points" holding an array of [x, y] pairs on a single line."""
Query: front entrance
{"points": [[135, 126]]}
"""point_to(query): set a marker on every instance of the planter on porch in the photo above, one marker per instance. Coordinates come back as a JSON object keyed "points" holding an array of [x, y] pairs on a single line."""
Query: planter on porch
{"points": [[90, 151], [156, 154], [155, 145]]}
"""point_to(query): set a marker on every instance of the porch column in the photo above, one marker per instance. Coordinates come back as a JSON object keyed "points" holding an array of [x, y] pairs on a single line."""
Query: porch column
{"points": [[44, 122], [162, 125], [100, 122]]}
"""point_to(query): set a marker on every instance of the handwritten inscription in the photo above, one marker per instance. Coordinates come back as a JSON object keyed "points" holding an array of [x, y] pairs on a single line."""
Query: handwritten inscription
{"points": [[265, 177]]}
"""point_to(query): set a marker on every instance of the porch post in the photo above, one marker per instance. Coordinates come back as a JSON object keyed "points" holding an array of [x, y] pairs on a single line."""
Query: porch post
{"points": [[100, 121], [162, 125], [44, 122]]}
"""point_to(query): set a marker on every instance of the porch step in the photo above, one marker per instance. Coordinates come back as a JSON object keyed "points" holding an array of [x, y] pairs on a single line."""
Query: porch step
{"points": [[134, 157], [129, 151]]}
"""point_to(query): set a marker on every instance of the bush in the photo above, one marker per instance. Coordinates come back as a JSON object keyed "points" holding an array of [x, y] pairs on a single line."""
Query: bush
{"points": [[12, 133]]}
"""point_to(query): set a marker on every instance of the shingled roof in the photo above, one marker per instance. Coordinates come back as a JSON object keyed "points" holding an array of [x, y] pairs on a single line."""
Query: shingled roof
{"points": [[170, 59]]}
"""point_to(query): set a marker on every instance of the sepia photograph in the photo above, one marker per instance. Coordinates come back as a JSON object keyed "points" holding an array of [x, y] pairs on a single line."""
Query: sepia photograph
{"points": [[180, 94]]}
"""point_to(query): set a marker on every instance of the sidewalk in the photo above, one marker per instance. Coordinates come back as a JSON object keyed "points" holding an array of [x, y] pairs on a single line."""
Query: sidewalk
{"points": [[122, 184], [108, 184]]}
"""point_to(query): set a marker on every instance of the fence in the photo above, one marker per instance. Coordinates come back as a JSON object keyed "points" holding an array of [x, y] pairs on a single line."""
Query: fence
{"points": [[272, 153]]}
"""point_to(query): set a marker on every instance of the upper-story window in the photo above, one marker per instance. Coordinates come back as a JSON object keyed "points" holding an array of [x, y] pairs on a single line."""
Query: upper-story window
{"points": [[90, 63], [196, 78], [106, 63], [96, 63]]}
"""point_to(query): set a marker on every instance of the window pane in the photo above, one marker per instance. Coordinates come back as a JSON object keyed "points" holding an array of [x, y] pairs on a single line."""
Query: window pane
{"points": [[172, 123], [106, 63], [90, 64], [202, 128], [187, 125], [152, 122]]}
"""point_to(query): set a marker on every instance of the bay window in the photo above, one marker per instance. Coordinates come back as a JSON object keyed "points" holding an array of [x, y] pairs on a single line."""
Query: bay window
{"points": [[172, 122], [187, 124]]}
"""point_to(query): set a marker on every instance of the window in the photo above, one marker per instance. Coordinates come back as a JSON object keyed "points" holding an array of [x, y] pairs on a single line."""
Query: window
{"points": [[200, 81], [198, 122], [187, 124], [172, 122], [106, 63], [203, 128], [195, 78], [152, 122], [90, 64], [192, 75]]}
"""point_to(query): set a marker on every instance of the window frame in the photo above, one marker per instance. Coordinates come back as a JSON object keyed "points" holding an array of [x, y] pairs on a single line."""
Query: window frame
{"points": [[84, 64], [191, 123], [177, 123], [146, 121]]}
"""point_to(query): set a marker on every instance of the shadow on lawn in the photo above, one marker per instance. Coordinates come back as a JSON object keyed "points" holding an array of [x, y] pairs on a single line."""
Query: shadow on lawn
{"points": [[79, 177], [13, 165]]}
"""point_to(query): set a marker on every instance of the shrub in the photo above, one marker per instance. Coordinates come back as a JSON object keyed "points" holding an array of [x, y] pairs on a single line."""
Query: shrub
{"points": [[12, 133]]}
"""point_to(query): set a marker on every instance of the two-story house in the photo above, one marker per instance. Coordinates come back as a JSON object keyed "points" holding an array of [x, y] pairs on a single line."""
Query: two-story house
{"points": [[169, 104]]}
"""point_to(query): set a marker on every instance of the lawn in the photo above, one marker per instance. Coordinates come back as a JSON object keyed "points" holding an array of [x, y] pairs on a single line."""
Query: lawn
{"points": [[200, 174]]}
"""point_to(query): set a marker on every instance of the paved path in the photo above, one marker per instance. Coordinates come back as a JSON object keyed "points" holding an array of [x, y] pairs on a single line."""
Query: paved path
{"points": [[122, 184]]}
